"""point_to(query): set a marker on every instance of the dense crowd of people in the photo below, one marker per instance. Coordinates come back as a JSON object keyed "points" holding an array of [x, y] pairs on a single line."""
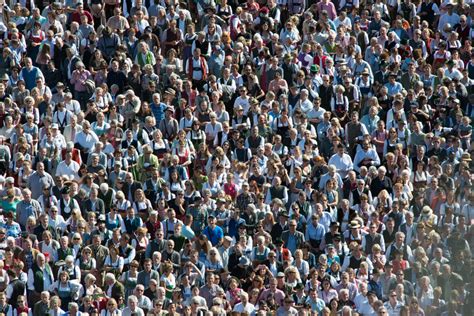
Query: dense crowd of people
{"points": [[229, 157]]}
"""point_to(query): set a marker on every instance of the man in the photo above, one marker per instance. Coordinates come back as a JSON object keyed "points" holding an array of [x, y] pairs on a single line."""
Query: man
{"points": [[209, 290], [26, 208], [371, 239], [68, 167], [147, 274], [354, 130], [331, 174], [342, 161], [366, 157], [292, 238], [5, 308], [114, 289], [409, 227], [244, 306], [94, 203], [67, 204], [273, 291], [29, 73], [158, 244], [15, 288], [362, 301], [357, 193], [277, 190], [399, 245], [130, 187], [169, 126], [40, 278], [38, 180], [99, 252], [197, 69], [126, 251], [410, 78], [314, 301], [382, 182], [315, 232], [400, 279], [132, 308], [71, 130], [41, 307], [214, 233], [173, 256], [142, 301], [85, 140], [393, 306], [131, 222]]}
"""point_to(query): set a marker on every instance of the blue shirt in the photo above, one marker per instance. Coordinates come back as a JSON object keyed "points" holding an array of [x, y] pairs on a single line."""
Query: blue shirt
{"points": [[393, 89], [315, 233], [214, 235], [316, 305], [30, 76], [291, 243], [158, 112]]}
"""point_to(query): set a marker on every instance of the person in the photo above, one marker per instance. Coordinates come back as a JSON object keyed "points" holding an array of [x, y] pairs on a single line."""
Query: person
{"points": [[336, 146]]}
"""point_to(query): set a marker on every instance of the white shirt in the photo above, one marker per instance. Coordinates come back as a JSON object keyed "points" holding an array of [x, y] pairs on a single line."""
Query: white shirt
{"points": [[212, 130], [71, 170], [86, 140], [240, 308], [342, 163]]}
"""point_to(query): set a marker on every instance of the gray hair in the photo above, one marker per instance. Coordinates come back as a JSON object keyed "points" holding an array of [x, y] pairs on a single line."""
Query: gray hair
{"points": [[132, 298]]}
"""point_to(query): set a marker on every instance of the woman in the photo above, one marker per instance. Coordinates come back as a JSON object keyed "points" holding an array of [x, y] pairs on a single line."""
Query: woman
{"points": [[122, 203], [415, 309], [233, 292], [129, 279], [24, 173], [301, 264], [142, 205], [175, 184], [10, 201], [327, 293], [312, 283], [212, 184], [196, 135], [100, 126], [420, 177], [202, 245], [87, 265], [340, 104], [144, 55], [43, 58], [167, 279], [292, 277], [35, 39], [89, 286], [112, 309], [172, 60], [391, 142], [22, 307], [65, 289], [113, 262], [113, 219], [184, 153], [214, 261], [159, 145]]}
